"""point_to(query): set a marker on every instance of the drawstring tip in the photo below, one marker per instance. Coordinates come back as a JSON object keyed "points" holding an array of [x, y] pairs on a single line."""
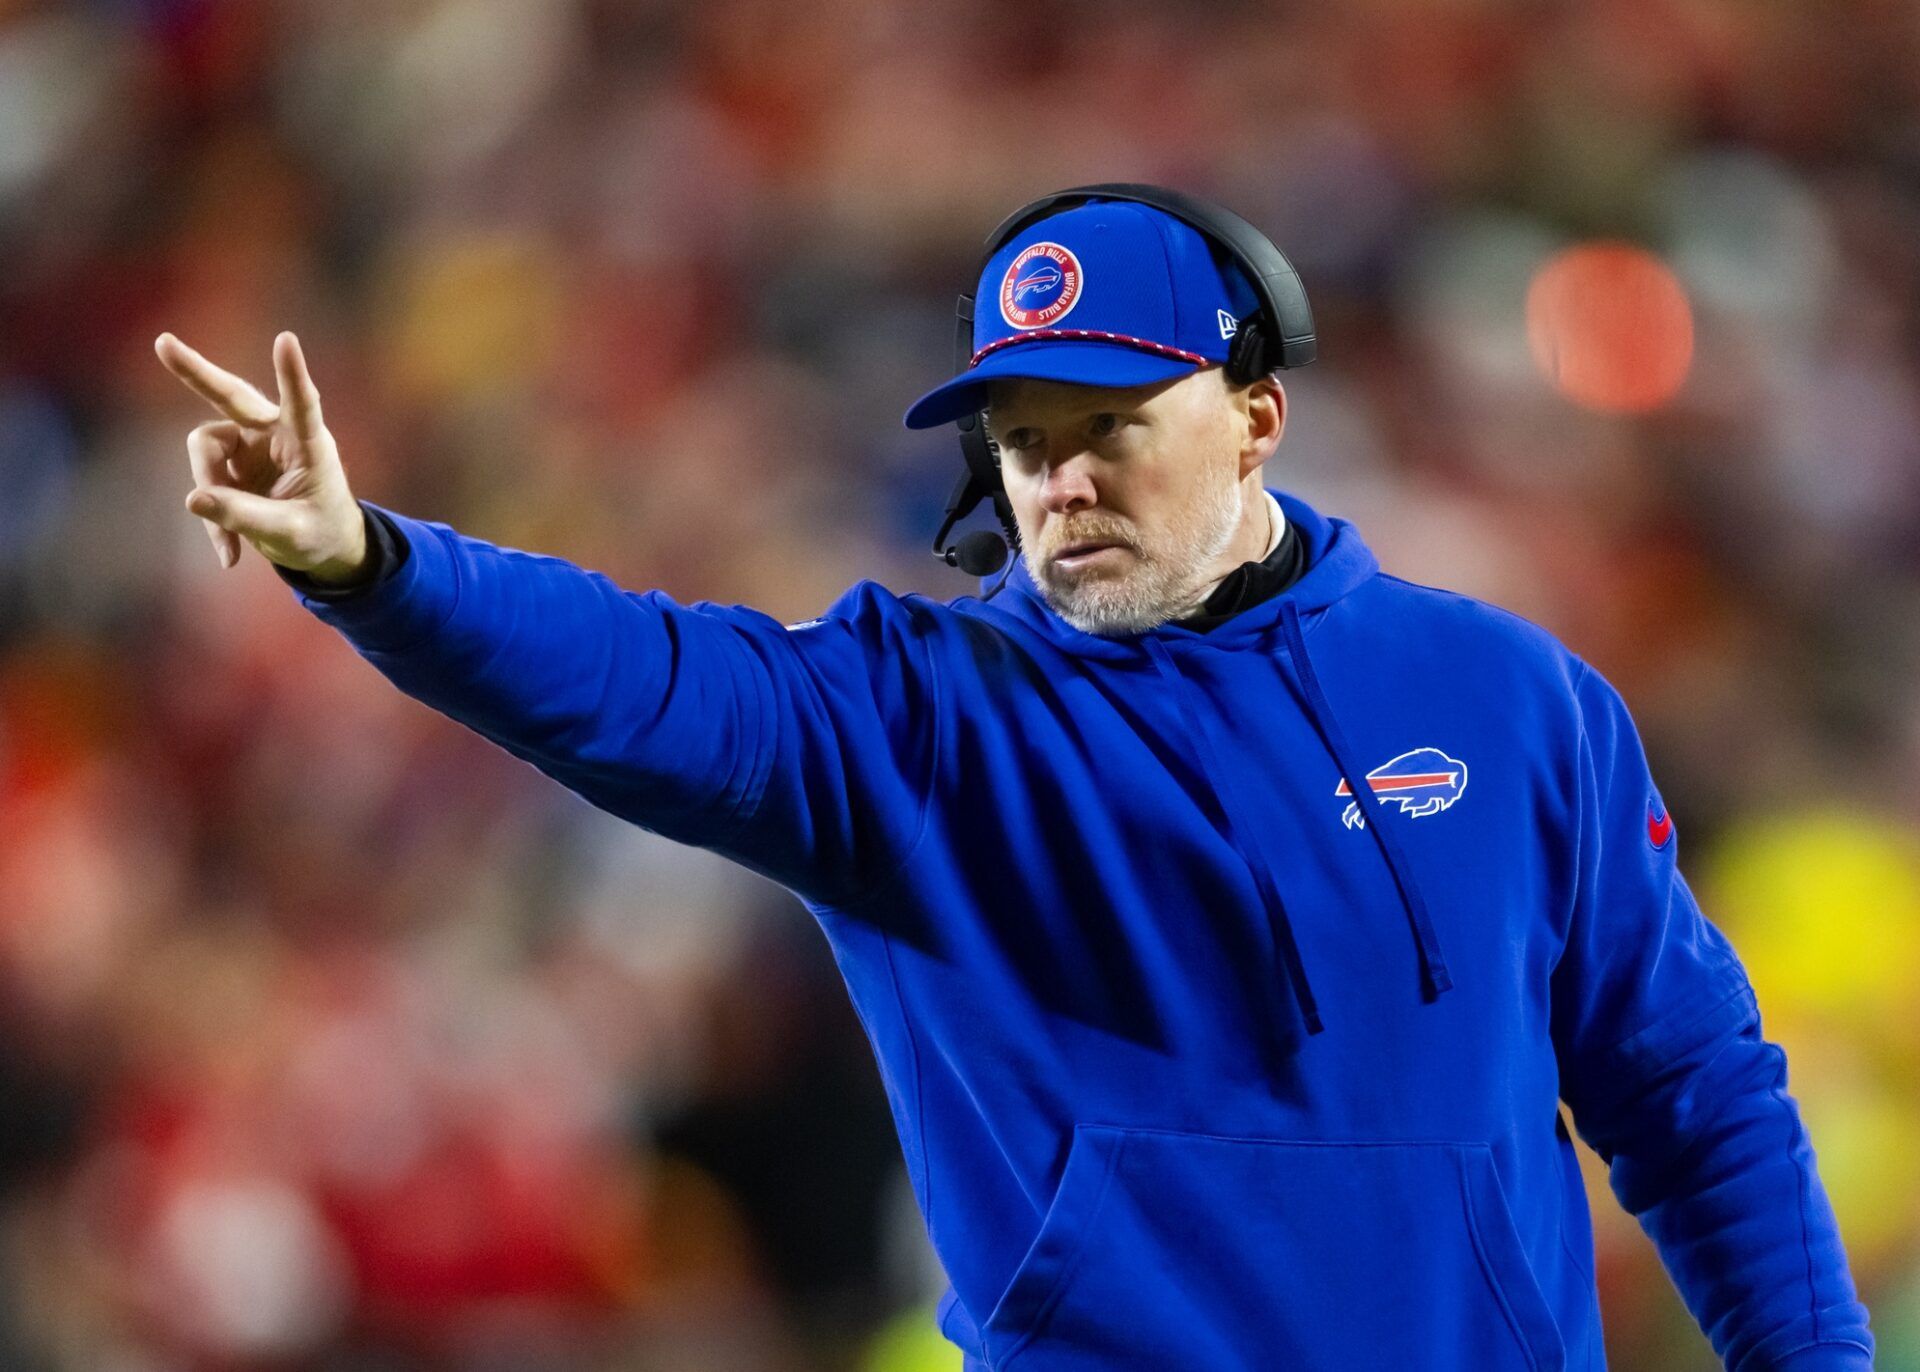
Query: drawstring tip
{"points": [[1438, 980]]}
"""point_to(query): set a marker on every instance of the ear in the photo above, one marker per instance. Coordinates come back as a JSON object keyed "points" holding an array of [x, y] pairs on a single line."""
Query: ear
{"points": [[1265, 404]]}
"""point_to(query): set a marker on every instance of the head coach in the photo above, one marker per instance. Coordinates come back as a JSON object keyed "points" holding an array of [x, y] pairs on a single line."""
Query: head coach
{"points": [[1229, 918]]}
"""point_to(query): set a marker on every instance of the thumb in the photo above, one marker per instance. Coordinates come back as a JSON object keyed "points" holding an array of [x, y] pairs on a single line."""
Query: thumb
{"points": [[243, 513]]}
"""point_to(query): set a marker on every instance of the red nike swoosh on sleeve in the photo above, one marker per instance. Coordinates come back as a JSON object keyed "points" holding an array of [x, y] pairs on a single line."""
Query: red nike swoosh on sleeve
{"points": [[1659, 830]]}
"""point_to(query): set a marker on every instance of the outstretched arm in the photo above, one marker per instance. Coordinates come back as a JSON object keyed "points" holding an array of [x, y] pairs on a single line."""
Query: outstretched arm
{"points": [[806, 754], [1672, 1083]]}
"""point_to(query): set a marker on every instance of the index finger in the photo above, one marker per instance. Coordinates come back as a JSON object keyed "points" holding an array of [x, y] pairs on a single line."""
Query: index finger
{"points": [[227, 393]]}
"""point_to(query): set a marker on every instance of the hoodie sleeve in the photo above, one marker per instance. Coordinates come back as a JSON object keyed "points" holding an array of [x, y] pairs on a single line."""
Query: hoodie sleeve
{"points": [[803, 753], [1670, 1080]]}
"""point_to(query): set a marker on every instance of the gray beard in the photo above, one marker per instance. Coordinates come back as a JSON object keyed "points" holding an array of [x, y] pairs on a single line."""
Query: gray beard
{"points": [[1163, 584]]}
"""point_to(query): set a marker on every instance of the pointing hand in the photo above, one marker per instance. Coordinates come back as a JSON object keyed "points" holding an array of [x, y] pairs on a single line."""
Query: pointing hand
{"points": [[269, 473]]}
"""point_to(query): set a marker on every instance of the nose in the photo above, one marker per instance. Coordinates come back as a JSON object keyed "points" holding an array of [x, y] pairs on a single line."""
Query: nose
{"points": [[1068, 486]]}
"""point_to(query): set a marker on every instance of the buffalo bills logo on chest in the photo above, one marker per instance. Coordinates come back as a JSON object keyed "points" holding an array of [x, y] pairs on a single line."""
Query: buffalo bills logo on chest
{"points": [[1423, 781], [1041, 285]]}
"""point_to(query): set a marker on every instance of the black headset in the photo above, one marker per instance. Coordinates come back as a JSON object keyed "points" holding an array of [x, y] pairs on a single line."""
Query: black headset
{"points": [[1278, 335]]}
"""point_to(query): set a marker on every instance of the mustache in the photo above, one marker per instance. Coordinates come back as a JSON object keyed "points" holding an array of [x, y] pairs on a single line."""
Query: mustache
{"points": [[1088, 533]]}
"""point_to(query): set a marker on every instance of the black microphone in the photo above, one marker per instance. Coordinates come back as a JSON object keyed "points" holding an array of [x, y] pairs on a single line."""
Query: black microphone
{"points": [[980, 553]]}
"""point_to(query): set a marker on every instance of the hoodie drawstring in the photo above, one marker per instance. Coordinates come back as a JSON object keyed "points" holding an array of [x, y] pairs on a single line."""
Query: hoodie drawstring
{"points": [[1281, 926], [1433, 965]]}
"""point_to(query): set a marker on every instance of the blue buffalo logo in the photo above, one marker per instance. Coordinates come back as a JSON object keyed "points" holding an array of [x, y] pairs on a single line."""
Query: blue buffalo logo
{"points": [[1039, 280], [1423, 781]]}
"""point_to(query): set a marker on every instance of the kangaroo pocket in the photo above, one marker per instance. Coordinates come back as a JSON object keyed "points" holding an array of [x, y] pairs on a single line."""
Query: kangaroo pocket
{"points": [[1172, 1251]]}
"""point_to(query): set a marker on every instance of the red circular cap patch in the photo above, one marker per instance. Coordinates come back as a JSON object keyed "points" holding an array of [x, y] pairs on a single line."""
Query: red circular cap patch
{"points": [[1041, 285]]}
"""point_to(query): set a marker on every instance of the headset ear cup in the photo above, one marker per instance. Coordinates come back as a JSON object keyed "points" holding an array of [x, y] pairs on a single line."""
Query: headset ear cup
{"points": [[1246, 355]]}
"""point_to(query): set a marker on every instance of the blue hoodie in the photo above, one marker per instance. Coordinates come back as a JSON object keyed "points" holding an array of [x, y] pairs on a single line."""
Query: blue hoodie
{"points": [[1224, 986]]}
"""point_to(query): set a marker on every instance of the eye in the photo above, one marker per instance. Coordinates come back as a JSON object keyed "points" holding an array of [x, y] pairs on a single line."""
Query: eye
{"points": [[1105, 424], [1017, 439]]}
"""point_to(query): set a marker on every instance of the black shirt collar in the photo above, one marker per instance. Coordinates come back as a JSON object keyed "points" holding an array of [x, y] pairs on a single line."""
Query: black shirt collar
{"points": [[1251, 582]]}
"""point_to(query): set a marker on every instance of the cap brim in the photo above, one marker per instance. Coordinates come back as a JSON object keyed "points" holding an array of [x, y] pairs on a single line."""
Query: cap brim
{"points": [[1079, 363]]}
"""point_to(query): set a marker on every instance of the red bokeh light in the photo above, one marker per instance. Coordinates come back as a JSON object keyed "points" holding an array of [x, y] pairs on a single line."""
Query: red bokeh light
{"points": [[1610, 327]]}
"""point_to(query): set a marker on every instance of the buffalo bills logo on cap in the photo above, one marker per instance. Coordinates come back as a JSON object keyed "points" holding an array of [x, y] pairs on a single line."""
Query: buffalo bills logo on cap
{"points": [[1041, 285], [1423, 781]]}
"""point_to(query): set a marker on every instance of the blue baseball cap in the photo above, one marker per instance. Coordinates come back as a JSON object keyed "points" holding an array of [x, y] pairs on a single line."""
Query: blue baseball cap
{"points": [[1108, 293]]}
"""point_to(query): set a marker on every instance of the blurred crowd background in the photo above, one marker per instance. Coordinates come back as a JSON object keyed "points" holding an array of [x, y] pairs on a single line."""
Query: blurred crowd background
{"points": [[332, 1038]]}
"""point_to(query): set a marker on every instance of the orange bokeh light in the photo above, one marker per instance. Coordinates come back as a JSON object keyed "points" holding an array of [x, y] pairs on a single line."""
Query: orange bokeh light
{"points": [[1610, 327]]}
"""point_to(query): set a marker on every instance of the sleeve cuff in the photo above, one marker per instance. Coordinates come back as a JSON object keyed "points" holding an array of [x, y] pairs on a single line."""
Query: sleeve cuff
{"points": [[386, 550], [406, 602], [1825, 1357]]}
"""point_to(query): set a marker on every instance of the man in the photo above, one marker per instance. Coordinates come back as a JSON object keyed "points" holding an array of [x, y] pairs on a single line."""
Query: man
{"points": [[1228, 917]]}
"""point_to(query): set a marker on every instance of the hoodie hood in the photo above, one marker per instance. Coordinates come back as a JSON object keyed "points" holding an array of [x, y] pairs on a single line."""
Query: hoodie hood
{"points": [[1338, 562]]}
